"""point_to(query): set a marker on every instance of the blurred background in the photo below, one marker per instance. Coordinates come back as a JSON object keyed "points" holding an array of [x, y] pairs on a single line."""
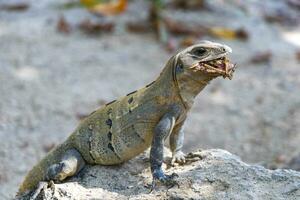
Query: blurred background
{"points": [[62, 59]]}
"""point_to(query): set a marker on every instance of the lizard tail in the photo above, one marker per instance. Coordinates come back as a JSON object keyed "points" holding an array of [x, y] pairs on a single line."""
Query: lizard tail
{"points": [[38, 172]]}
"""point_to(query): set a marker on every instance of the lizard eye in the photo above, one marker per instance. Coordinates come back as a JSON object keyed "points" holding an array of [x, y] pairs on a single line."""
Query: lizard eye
{"points": [[199, 51], [180, 66]]}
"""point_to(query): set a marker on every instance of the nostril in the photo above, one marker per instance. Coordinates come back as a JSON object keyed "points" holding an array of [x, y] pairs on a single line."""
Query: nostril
{"points": [[226, 49]]}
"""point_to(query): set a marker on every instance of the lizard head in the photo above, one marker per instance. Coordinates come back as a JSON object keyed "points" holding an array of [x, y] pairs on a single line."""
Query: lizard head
{"points": [[205, 59], [196, 65]]}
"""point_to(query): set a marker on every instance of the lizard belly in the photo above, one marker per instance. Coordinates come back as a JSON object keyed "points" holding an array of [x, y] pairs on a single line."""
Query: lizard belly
{"points": [[120, 145]]}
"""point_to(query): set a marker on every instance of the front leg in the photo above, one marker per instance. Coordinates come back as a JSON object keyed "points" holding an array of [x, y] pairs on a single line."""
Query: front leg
{"points": [[176, 144], [161, 132]]}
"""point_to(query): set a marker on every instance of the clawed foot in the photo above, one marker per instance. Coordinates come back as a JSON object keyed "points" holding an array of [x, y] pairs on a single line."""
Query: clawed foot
{"points": [[193, 157], [181, 158], [167, 180], [41, 186], [178, 157]]}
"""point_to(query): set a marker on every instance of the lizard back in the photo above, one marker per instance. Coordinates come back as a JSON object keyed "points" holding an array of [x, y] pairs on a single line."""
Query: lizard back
{"points": [[123, 128]]}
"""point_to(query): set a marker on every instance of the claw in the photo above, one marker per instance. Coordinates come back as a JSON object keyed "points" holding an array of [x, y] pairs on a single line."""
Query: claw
{"points": [[41, 186], [152, 186], [178, 157], [167, 180]]}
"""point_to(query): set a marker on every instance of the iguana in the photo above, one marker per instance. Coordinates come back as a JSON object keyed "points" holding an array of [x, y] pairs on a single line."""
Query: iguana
{"points": [[126, 127]]}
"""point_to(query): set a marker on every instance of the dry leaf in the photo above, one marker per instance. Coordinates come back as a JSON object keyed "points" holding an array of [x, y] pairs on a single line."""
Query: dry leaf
{"points": [[223, 33], [15, 7], [261, 57], [179, 28], [139, 27], [227, 33], [96, 27], [190, 4], [89, 3], [241, 34], [63, 26], [111, 8]]}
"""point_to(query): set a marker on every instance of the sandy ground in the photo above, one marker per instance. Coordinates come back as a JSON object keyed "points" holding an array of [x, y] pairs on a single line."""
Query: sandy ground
{"points": [[47, 79]]}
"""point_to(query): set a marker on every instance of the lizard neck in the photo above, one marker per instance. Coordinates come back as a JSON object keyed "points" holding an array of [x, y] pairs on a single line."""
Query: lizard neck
{"points": [[182, 88], [189, 84], [166, 85], [189, 87]]}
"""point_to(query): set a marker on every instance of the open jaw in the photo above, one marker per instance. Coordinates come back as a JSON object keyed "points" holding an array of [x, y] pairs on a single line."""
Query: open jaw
{"points": [[221, 66]]}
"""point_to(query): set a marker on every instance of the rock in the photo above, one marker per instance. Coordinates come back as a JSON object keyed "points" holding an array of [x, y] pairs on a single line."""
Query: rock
{"points": [[209, 174]]}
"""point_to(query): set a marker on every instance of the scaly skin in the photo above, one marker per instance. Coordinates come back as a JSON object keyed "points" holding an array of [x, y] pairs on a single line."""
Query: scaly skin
{"points": [[126, 127]]}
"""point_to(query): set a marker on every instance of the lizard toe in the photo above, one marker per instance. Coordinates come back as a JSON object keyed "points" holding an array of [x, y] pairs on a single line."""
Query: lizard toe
{"points": [[168, 180], [178, 157]]}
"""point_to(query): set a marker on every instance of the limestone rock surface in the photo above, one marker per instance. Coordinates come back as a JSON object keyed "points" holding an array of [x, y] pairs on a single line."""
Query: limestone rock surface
{"points": [[209, 174]]}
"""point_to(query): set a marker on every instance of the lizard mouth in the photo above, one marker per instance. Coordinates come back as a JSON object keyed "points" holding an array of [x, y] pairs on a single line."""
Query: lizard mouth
{"points": [[220, 66]]}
